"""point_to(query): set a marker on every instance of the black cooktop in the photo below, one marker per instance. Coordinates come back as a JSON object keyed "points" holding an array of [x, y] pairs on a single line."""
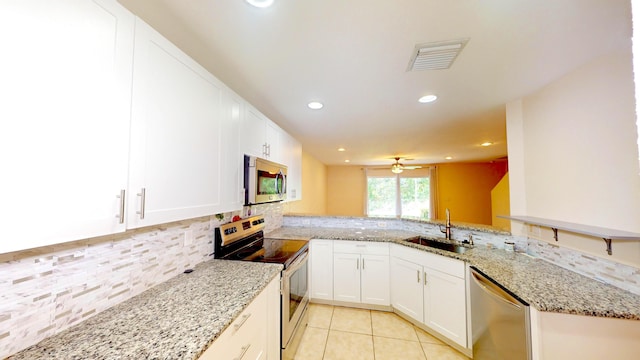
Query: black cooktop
{"points": [[244, 240]]}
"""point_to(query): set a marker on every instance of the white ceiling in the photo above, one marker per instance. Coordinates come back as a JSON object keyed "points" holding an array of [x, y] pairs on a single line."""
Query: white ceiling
{"points": [[352, 55]]}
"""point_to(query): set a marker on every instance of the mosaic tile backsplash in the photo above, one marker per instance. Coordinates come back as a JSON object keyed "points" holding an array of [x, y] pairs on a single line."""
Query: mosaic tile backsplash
{"points": [[46, 290]]}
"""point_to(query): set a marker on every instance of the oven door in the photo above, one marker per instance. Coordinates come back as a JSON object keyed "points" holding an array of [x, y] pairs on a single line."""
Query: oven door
{"points": [[295, 299]]}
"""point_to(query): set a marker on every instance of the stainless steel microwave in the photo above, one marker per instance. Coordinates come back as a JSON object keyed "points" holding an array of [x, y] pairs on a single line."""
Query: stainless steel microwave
{"points": [[264, 181]]}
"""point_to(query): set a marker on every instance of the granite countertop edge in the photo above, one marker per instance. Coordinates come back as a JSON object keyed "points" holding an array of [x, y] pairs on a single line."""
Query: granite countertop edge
{"points": [[545, 286]]}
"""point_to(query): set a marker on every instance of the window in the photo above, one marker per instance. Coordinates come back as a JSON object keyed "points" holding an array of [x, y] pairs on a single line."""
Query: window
{"points": [[399, 195]]}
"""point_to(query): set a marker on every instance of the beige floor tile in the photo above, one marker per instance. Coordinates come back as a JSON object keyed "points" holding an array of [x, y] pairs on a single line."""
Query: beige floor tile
{"points": [[394, 349], [320, 315], [441, 352], [390, 325], [312, 344], [348, 346], [351, 320], [425, 337]]}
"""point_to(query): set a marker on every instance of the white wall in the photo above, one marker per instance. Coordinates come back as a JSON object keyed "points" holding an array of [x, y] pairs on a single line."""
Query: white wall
{"points": [[579, 158]]}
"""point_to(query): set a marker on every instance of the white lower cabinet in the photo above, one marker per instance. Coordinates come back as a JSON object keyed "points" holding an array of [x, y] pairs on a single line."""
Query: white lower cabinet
{"points": [[431, 289], [361, 272], [321, 269], [346, 277], [374, 280], [349, 271], [406, 288], [247, 337]]}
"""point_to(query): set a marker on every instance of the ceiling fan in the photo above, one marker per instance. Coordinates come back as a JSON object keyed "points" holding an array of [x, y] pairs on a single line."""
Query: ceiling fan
{"points": [[398, 167]]}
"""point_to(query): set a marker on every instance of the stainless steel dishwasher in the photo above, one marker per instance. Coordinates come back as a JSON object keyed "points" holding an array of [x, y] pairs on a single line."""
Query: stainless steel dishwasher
{"points": [[500, 324]]}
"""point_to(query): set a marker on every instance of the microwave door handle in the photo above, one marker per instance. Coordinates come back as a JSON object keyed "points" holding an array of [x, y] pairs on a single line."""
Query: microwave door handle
{"points": [[278, 188], [284, 183]]}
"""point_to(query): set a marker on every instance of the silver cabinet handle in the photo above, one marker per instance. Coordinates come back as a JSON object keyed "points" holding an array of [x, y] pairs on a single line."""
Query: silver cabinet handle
{"points": [[120, 215], [418, 272], [244, 319], [357, 264], [362, 263], [243, 351], [425, 278], [143, 200]]}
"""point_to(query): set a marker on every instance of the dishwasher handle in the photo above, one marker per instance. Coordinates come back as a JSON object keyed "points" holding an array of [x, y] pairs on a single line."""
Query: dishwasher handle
{"points": [[494, 290]]}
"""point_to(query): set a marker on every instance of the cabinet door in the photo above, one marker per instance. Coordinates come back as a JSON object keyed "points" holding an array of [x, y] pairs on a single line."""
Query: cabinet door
{"points": [[445, 305], [406, 288], [175, 134], [346, 277], [253, 129], [293, 159], [65, 88], [232, 187], [375, 279], [272, 139], [321, 274], [273, 320]]}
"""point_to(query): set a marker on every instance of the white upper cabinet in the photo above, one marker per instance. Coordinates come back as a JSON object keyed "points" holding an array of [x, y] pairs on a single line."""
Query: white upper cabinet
{"points": [[292, 154], [175, 156], [232, 176], [260, 136], [65, 87], [273, 143], [253, 132]]}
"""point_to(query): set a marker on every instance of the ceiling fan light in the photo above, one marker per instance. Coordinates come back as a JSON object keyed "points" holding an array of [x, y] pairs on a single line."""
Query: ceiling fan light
{"points": [[396, 168]]}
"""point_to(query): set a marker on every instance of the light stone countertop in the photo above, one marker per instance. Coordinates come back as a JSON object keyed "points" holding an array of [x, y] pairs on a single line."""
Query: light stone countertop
{"points": [[177, 319], [373, 219], [543, 285]]}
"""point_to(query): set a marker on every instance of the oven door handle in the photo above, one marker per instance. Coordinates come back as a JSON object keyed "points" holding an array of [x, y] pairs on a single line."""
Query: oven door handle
{"points": [[297, 264]]}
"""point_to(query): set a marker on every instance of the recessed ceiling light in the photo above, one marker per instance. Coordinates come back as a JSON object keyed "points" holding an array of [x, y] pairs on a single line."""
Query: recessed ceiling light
{"points": [[486, 143], [427, 99], [448, 158], [347, 161], [260, 3], [315, 105], [342, 149]]}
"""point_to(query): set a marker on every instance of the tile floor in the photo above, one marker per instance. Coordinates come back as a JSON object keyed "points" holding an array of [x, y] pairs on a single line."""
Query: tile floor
{"points": [[344, 333]]}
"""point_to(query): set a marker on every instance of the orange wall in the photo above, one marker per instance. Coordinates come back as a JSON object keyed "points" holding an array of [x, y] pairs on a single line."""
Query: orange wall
{"points": [[500, 204], [346, 193], [465, 189], [314, 188]]}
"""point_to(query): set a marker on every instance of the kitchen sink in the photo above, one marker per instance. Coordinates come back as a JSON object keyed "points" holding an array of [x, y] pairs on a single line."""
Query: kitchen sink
{"points": [[442, 245]]}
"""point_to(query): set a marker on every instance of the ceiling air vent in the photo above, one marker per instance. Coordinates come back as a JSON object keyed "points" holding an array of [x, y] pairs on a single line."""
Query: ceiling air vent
{"points": [[435, 56]]}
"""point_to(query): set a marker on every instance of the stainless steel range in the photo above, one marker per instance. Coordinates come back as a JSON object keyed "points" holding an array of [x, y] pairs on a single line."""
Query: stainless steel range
{"points": [[244, 240]]}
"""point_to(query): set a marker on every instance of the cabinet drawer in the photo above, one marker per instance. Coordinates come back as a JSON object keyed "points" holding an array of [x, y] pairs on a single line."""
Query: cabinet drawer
{"points": [[361, 247], [453, 267], [245, 335]]}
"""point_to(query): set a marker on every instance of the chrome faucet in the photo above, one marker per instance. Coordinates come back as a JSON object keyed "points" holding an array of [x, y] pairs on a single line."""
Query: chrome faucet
{"points": [[447, 226]]}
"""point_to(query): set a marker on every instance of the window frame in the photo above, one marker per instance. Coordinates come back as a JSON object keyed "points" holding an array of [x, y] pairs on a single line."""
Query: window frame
{"points": [[425, 172]]}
